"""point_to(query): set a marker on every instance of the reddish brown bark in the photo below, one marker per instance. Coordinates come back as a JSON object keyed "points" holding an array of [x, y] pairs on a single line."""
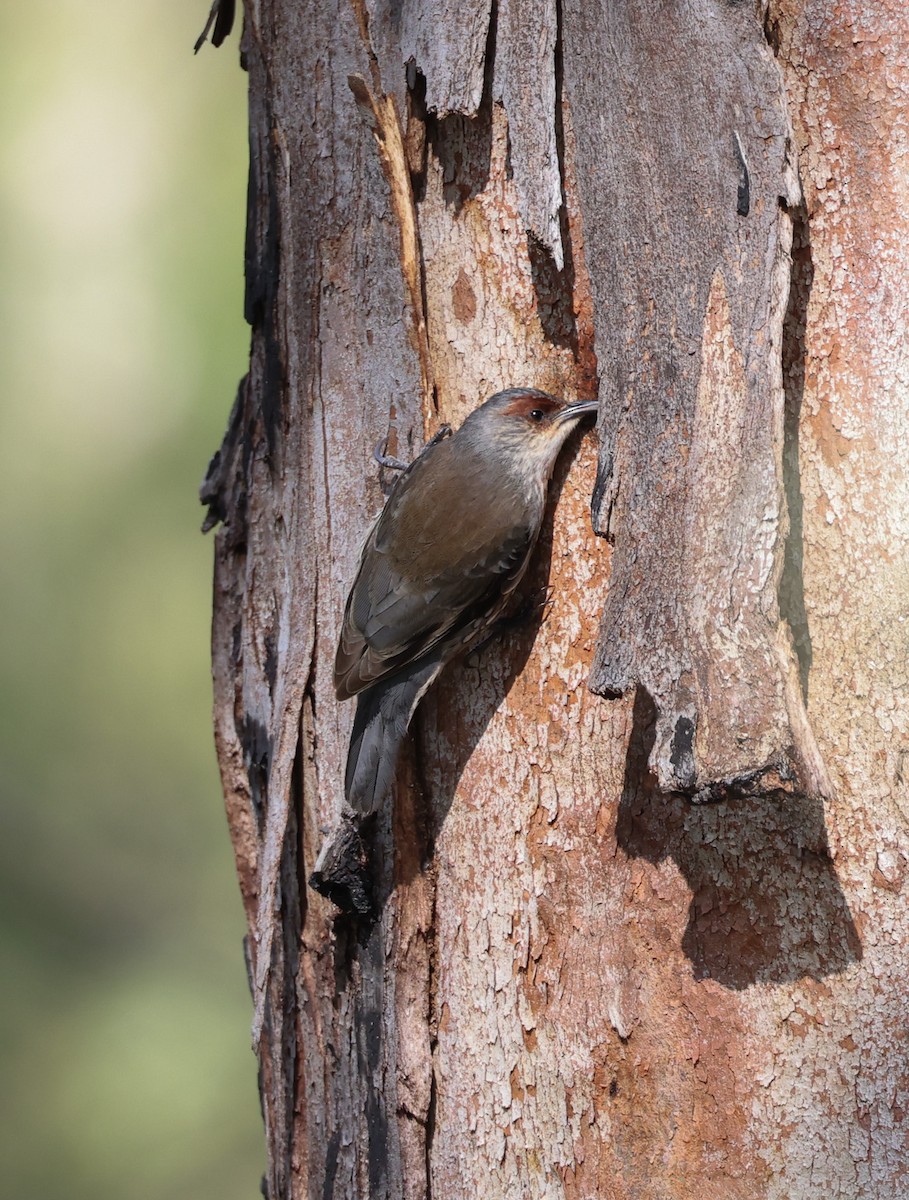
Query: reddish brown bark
{"points": [[581, 983]]}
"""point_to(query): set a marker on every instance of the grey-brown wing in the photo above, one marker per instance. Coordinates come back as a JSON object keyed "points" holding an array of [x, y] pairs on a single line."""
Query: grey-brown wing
{"points": [[409, 595], [391, 621]]}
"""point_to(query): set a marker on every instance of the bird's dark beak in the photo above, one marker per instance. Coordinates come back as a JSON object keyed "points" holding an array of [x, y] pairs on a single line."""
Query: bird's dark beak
{"points": [[574, 412]]}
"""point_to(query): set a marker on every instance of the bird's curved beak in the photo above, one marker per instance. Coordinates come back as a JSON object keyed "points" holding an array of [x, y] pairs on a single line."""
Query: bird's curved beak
{"points": [[574, 412]]}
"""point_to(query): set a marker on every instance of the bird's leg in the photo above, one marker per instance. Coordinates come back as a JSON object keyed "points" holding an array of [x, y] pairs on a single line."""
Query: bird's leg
{"points": [[395, 464], [388, 461]]}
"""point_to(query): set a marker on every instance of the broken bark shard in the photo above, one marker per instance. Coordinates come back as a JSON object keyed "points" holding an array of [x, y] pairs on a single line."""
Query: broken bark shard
{"points": [[525, 82], [342, 869], [690, 296]]}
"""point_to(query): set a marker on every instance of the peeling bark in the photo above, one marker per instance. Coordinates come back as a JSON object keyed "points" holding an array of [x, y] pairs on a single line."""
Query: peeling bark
{"points": [[579, 983], [688, 244]]}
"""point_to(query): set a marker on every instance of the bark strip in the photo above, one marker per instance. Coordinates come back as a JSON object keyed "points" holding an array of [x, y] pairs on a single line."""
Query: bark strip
{"points": [[685, 182]]}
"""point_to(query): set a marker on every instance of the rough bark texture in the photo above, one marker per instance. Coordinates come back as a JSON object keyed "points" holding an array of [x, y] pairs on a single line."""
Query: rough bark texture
{"points": [[581, 984], [688, 247]]}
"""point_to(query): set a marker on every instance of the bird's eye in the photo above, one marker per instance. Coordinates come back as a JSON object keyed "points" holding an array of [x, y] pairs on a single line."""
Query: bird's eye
{"points": [[536, 414]]}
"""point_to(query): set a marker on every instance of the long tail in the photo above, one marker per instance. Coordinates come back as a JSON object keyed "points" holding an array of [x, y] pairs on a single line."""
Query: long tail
{"points": [[380, 725]]}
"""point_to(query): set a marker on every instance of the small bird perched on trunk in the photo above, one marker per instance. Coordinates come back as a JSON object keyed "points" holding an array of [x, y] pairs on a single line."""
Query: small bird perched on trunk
{"points": [[437, 570]]}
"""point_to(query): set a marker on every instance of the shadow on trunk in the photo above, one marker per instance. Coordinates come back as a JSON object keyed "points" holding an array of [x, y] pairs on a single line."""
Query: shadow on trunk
{"points": [[766, 905]]}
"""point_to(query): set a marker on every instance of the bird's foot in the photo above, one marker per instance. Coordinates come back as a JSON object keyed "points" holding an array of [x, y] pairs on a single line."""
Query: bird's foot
{"points": [[533, 607], [440, 435], [388, 461], [391, 463]]}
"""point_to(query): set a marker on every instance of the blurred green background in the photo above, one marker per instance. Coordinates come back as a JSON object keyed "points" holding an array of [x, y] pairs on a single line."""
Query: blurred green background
{"points": [[126, 1068]]}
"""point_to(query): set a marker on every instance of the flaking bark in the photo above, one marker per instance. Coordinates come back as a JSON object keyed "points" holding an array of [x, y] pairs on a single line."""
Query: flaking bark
{"points": [[688, 248], [578, 984]]}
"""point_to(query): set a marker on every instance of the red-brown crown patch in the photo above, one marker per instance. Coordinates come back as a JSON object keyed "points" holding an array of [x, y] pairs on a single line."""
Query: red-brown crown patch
{"points": [[524, 405]]}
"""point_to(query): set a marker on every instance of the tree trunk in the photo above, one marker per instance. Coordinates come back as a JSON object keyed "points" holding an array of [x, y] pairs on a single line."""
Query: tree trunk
{"points": [[642, 939]]}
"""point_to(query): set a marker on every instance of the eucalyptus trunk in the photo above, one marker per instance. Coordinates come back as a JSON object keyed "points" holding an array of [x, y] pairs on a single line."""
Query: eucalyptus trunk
{"points": [[640, 932]]}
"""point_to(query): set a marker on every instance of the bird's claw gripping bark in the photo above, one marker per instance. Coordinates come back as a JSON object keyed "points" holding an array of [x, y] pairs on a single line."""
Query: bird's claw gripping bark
{"points": [[440, 435], [390, 463], [395, 464], [387, 460], [535, 606]]}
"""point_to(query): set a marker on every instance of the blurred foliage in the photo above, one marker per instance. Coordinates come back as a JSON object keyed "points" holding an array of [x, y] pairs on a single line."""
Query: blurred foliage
{"points": [[126, 1065]]}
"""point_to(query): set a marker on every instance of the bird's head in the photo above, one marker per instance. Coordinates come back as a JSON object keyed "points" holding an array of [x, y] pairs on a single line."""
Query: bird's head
{"points": [[525, 428]]}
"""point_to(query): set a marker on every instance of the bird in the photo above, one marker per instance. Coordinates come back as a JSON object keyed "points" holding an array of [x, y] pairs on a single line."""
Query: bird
{"points": [[438, 568]]}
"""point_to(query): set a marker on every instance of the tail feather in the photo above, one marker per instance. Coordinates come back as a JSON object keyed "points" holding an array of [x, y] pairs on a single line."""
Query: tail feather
{"points": [[380, 726]]}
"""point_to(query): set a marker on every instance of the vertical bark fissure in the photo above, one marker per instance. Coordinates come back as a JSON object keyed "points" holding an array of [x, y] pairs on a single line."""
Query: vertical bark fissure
{"points": [[298, 1159], [792, 586], [383, 117], [431, 1121], [574, 273], [555, 285], [559, 128], [416, 135], [431, 982]]}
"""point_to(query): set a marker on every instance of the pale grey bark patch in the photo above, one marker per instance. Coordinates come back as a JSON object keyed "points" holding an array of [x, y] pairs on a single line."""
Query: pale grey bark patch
{"points": [[450, 46], [525, 82], [446, 41], [684, 173]]}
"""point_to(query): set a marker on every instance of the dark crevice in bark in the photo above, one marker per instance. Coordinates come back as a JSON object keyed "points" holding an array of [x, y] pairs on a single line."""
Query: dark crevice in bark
{"points": [[298, 775], [294, 920], [262, 261], [743, 192], [360, 968], [771, 28], [431, 1119], [260, 1074], [223, 488], [278, 1048], [428, 852], [257, 752], [358, 963], [415, 132], [554, 288], [331, 1165], [371, 1060], [792, 585], [270, 665], [463, 145]]}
